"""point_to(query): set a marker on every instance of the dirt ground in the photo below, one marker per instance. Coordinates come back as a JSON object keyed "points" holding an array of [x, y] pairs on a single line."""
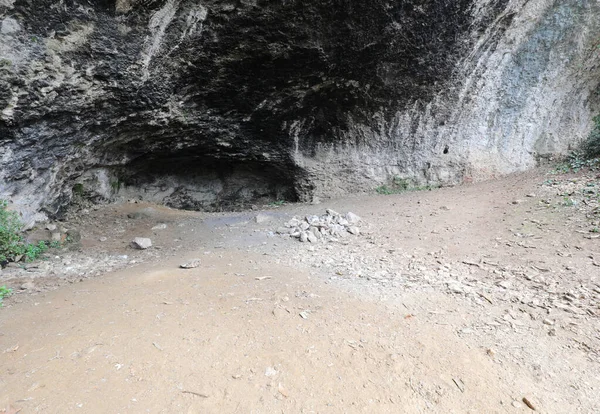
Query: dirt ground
{"points": [[483, 298]]}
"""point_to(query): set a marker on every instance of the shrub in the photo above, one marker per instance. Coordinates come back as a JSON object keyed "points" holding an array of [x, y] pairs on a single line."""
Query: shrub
{"points": [[591, 147], [12, 242], [4, 292]]}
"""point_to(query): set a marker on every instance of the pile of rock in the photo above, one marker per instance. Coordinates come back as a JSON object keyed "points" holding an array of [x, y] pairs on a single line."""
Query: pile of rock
{"points": [[328, 227]]}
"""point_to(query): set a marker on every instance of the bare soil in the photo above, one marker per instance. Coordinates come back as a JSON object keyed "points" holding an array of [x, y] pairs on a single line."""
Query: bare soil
{"points": [[483, 298]]}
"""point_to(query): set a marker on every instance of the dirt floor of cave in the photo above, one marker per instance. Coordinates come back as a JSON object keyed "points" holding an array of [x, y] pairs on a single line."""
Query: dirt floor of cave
{"points": [[493, 298]]}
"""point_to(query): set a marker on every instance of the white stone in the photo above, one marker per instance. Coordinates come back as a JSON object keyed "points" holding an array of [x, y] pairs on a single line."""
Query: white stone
{"points": [[191, 264], [262, 218], [141, 243], [352, 218]]}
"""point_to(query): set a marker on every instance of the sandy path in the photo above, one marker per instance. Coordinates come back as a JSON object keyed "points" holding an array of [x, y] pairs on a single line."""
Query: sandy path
{"points": [[391, 321]]}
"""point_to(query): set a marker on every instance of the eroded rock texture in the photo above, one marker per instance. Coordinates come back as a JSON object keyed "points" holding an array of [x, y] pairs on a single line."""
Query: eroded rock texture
{"points": [[213, 104]]}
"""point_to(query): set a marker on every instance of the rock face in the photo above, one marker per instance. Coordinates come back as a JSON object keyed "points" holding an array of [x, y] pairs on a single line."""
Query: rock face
{"points": [[213, 104]]}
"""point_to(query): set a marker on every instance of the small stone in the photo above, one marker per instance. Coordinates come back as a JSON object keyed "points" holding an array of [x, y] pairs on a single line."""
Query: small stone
{"points": [[312, 238], [304, 315], [262, 218], [283, 391], [354, 230], [284, 230], [517, 404], [191, 264], [530, 195], [529, 403], [293, 223], [160, 226], [547, 322], [331, 212], [56, 237], [270, 372], [28, 286], [517, 201], [304, 237], [552, 332], [352, 218], [141, 243], [103, 239], [135, 215], [51, 227]]}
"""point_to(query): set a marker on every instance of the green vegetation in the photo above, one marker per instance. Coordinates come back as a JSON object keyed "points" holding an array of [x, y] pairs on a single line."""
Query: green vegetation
{"points": [[588, 155], [115, 185], [568, 202], [12, 243], [78, 190], [4, 293], [576, 161], [401, 185], [591, 147]]}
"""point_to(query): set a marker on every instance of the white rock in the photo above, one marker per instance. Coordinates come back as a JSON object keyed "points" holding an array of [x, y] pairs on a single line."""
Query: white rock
{"points": [[270, 372], [191, 264], [331, 212], [160, 226], [304, 237], [354, 230], [51, 227], [262, 218], [141, 243], [352, 218], [28, 286]]}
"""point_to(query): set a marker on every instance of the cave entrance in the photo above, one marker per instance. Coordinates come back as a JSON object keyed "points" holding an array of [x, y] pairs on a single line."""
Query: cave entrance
{"points": [[205, 183]]}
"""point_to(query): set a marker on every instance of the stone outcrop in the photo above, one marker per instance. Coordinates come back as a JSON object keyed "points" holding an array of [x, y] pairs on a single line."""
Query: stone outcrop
{"points": [[215, 104]]}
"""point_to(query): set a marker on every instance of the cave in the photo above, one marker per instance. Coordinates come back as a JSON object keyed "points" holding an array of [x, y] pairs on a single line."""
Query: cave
{"points": [[218, 105]]}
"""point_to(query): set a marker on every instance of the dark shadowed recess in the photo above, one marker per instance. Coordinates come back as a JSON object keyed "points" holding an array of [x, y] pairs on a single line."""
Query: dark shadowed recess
{"points": [[254, 70], [210, 184]]}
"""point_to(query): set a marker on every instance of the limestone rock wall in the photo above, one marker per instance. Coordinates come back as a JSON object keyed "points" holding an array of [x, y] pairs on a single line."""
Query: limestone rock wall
{"points": [[215, 104]]}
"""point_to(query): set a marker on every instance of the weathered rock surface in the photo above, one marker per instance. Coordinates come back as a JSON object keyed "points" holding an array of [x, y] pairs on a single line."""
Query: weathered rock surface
{"points": [[212, 104]]}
